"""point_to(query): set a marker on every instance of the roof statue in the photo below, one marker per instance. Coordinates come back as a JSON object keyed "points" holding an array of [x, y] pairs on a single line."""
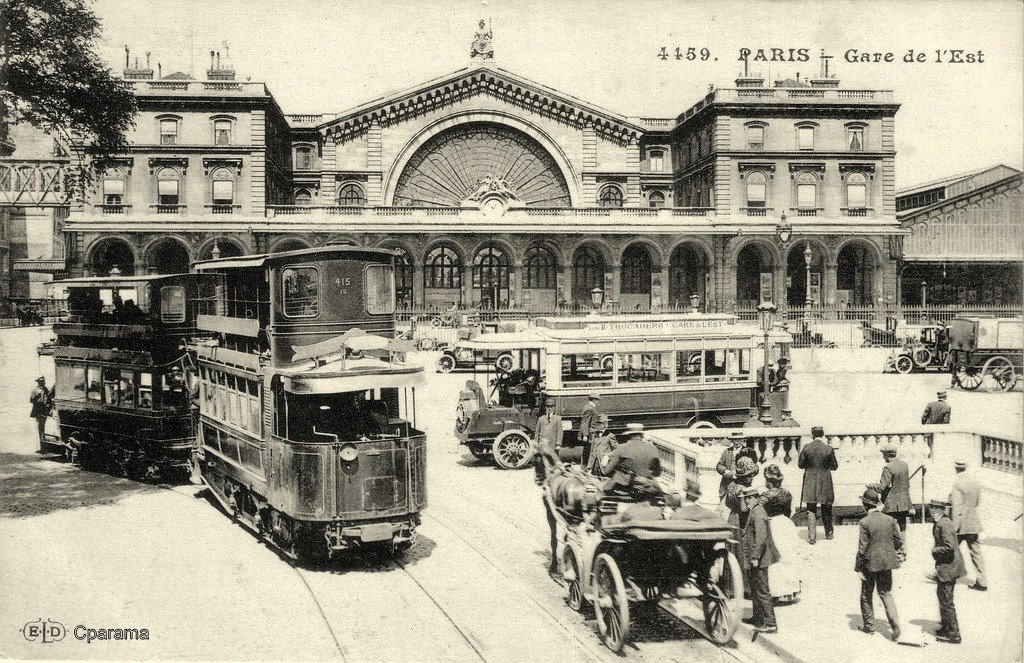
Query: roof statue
{"points": [[482, 49]]}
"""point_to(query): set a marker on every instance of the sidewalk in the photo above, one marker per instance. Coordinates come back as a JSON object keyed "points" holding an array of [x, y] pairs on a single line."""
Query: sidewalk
{"points": [[823, 625]]}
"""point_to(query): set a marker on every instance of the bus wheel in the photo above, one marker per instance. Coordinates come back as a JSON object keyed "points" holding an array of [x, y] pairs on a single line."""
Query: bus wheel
{"points": [[445, 363], [701, 423], [504, 362], [512, 449]]}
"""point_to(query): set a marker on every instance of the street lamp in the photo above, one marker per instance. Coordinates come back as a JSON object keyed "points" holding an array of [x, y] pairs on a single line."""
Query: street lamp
{"points": [[766, 316], [807, 263], [596, 296], [784, 230]]}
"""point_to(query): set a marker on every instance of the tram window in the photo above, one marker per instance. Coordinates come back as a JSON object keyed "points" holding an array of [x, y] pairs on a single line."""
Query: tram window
{"points": [[739, 365], [71, 382], [145, 393], [379, 289], [94, 391], [126, 387], [173, 389], [172, 303], [110, 386], [254, 405], [301, 288], [645, 367], [584, 369], [715, 365], [689, 365]]}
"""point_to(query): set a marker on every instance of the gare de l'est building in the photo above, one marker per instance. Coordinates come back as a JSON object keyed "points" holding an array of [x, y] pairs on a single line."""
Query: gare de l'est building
{"points": [[500, 191]]}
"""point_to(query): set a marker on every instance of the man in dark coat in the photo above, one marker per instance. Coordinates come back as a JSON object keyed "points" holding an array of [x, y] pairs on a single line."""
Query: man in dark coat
{"points": [[879, 552], [757, 553], [937, 412], [549, 439], [949, 567], [603, 444], [41, 399], [587, 419], [895, 486], [818, 461], [633, 463]]}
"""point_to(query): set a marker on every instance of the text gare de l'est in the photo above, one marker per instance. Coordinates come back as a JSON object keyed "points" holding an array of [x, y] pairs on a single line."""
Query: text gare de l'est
{"points": [[857, 56]]}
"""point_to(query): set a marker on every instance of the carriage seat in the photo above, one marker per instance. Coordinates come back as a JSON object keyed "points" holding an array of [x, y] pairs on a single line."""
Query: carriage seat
{"points": [[690, 521]]}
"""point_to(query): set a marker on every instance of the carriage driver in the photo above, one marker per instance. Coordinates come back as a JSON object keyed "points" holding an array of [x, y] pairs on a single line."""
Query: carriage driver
{"points": [[633, 465]]}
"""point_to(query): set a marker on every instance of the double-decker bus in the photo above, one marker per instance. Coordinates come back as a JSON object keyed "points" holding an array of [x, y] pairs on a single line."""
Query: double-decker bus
{"points": [[122, 393], [307, 431]]}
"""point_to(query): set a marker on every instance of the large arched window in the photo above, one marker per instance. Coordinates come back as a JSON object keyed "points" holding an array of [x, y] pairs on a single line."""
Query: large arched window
{"points": [[757, 191], [656, 199], [856, 192], [540, 267], [303, 198], [610, 196], [636, 271], [491, 277], [443, 269], [351, 195]]}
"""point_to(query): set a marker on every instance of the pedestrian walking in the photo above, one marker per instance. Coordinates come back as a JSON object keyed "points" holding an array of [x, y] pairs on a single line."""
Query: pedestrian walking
{"points": [[548, 441], [938, 411], [603, 444], [880, 551], [41, 399], [895, 486], [587, 419], [777, 500], [818, 461], [949, 567], [757, 553], [964, 499]]}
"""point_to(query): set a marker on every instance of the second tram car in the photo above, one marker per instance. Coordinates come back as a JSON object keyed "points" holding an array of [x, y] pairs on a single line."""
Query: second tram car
{"points": [[307, 431]]}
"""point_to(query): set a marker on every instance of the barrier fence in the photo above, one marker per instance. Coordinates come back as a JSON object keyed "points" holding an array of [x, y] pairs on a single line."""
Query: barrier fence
{"points": [[1001, 454]]}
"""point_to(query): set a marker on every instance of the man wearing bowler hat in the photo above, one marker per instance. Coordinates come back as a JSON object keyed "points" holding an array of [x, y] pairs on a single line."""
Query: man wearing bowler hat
{"points": [[964, 499], [818, 461], [879, 552], [757, 553], [587, 420], [895, 486], [949, 567], [938, 411]]}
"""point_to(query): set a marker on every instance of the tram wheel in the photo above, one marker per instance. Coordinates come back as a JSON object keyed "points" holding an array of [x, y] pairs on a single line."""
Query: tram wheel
{"points": [[904, 364], [574, 583], [717, 599], [968, 377], [512, 449], [612, 603], [1000, 372]]}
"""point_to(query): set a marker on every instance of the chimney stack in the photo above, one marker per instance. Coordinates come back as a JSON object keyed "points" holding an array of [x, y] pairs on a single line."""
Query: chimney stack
{"points": [[136, 72], [215, 72], [825, 78]]}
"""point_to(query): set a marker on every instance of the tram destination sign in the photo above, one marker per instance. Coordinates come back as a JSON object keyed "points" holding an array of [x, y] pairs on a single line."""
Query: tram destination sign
{"points": [[658, 325]]}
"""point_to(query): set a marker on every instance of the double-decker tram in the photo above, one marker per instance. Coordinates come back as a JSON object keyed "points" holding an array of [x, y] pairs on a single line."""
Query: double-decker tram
{"points": [[122, 391], [307, 410]]}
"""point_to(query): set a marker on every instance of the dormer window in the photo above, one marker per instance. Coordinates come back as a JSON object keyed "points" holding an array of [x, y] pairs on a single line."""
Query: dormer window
{"points": [[222, 132], [755, 137], [656, 161], [168, 131]]}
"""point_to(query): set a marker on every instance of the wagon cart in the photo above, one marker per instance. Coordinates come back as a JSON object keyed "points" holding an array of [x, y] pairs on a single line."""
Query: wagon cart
{"points": [[986, 351], [617, 552]]}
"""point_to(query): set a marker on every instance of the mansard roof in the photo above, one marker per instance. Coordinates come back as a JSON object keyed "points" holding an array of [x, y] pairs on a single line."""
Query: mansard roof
{"points": [[515, 89]]}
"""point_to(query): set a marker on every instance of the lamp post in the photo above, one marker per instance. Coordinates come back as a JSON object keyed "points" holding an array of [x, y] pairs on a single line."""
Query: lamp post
{"points": [[807, 262], [766, 316], [596, 297]]}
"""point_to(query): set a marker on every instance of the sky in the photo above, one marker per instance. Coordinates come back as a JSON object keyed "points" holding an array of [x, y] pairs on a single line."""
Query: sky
{"points": [[330, 55]]}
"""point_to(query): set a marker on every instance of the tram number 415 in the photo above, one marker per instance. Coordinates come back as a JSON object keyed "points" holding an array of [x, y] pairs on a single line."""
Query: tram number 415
{"points": [[691, 53]]}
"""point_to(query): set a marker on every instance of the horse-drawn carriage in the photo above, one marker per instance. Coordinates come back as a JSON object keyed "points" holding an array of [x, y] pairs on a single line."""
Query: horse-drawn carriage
{"points": [[617, 551], [986, 351]]}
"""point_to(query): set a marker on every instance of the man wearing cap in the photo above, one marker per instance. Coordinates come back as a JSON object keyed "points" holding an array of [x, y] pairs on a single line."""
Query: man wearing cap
{"points": [[587, 420], [818, 461], [757, 553], [879, 552], [746, 470], [949, 567], [633, 463], [787, 421], [777, 500], [549, 439], [937, 412], [604, 443], [964, 498], [41, 399], [895, 486]]}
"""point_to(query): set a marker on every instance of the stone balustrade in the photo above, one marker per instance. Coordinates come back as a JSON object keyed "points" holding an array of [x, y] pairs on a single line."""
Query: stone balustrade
{"points": [[1002, 454]]}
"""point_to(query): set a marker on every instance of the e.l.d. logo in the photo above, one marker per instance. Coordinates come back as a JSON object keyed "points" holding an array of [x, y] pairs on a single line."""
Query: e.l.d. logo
{"points": [[44, 630]]}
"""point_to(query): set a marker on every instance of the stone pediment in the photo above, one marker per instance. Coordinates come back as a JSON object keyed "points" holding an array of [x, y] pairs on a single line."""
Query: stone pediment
{"points": [[460, 85]]}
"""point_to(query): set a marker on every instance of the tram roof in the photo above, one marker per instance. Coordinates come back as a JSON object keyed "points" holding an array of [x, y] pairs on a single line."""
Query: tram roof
{"points": [[108, 281], [284, 256], [536, 337], [354, 375]]}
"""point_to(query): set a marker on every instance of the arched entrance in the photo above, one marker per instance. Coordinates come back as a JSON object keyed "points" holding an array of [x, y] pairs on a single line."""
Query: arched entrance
{"points": [[855, 275], [540, 278], [588, 268], [168, 256], [404, 271], [797, 293], [442, 277], [222, 248], [491, 270], [110, 253], [688, 275], [635, 287], [755, 274]]}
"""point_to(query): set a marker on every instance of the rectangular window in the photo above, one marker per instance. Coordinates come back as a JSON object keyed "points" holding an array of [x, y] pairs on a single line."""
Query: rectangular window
{"points": [[715, 365], [856, 136], [689, 365], [301, 292], [645, 367], [303, 159], [806, 138], [857, 196], [173, 394], [71, 382], [172, 303], [738, 365], [126, 389], [110, 386], [805, 196], [585, 370], [93, 390], [755, 138], [657, 162], [168, 132], [113, 192], [222, 132], [379, 289], [145, 393], [223, 192], [167, 192], [757, 194]]}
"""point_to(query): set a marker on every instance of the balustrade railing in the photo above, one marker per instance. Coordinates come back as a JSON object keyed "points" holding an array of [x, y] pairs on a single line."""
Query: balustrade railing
{"points": [[1001, 454]]}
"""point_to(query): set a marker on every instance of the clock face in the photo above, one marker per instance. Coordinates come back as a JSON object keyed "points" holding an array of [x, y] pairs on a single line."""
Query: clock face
{"points": [[492, 207]]}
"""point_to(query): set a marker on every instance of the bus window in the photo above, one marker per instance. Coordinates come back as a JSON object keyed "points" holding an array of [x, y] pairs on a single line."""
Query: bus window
{"points": [[714, 365], [172, 303], [379, 289], [584, 370], [739, 365], [689, 365], [254, 406], [126, 387], [71, 382], [301, 292], [145, 393], [94, 392], [646, 367], [110, 386]]}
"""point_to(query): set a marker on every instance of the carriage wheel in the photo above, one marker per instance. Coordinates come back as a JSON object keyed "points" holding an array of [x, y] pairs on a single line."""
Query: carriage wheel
{"points": [[1001, 373], [574, 582], [968, 377], [612, 604], [717, 596], [445, 363], [702, 423], [512, 450], [504, 363], [904, 364]]}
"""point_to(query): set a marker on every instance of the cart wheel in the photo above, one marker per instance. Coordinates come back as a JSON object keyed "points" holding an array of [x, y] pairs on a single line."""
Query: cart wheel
{"points": [[717, 597], [512, 449], [504, 363], [1002, 376], [904, 364], [968, 377], [612, 604], [922, 357], [445, 363], [574, 582]]}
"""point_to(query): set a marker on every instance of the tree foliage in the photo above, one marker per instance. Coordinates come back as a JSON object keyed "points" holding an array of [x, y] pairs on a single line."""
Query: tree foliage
{"points": [[52, 78]]}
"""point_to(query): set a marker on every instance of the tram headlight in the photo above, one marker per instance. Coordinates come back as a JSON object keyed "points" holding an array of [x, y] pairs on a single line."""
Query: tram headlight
{"points": [[349, 452]]}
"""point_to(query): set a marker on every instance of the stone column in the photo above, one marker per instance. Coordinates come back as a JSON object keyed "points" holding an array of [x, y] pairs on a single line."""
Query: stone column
{"points": [[616, 293], [664, 284], [830, 284], [515, 291], [418, 291]]}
